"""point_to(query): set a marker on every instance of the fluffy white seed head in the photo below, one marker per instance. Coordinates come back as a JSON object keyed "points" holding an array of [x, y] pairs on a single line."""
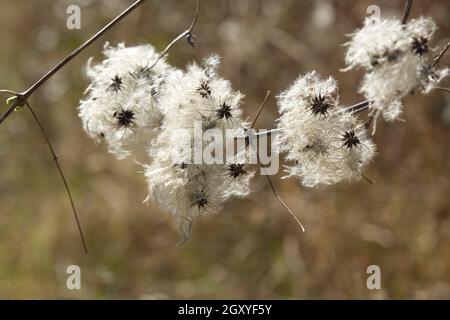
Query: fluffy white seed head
{"points": [[121, 106], [195, 102], [398, 60], [201, 95], [188, 191], [371, 44], [325, 144]]}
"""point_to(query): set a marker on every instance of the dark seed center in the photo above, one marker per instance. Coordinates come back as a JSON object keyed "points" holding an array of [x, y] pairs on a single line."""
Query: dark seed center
{"points": [[200, 200], [320, 106], [224, 112], [235, 170], [116, 84], [204, 90], [350, 139], [124, 117], [420, 46]]}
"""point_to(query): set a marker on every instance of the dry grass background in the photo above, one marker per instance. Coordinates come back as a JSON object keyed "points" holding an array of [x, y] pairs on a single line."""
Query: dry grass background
{"points": [[252, 249]]}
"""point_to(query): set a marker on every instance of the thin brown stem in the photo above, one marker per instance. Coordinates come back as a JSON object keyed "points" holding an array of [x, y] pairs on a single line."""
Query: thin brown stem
{"points": [[185, 34], [367, 179], [269, 180], [22, 98], [8, 91], [261, 107], [267, 132], [441, 54], [63, 178], [77, 51], [194, 21], [9, 111], [407, 11], [356, 108]]}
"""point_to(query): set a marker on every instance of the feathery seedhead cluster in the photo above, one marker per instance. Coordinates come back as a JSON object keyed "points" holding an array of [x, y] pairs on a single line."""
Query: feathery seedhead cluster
{"points": [[326, 144], [122, 106], [177, 182], [138, 102], [398, 60], [134, 105]]}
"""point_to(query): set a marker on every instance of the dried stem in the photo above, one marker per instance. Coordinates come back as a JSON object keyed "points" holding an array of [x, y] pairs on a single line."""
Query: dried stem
{"points": [[406, 12], [369, 121], [367, 179], [261, 107], [17, 101], [66, 186], [267, 176], [284, 204], [8, 91], [22, 98], [185, 34], [356, 108], [281, 200], [441, 54]]}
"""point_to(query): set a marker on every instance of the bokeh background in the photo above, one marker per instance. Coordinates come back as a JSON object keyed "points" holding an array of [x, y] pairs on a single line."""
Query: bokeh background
{"points": [[252, 249]]}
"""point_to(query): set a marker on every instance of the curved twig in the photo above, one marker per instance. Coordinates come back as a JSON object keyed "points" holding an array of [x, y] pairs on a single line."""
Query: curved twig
{"points": [[407, 11], [185, 34], [441, 54], [356, 108], [261, 107], [63, 178], [281, 200]]}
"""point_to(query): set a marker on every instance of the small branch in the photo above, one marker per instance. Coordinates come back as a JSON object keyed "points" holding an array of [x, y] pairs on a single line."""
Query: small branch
{"points": [[281, 200], [268, 177], [356, 108], [260, 109], [406, 12], [10, 109], [22, 98], [185, 34], [267, 132], [194, 21], [367, 178], [66, 186], [441, 54]]}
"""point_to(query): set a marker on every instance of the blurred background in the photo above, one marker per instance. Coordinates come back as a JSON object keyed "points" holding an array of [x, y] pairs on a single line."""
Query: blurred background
{"points": [[252, 249]]}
